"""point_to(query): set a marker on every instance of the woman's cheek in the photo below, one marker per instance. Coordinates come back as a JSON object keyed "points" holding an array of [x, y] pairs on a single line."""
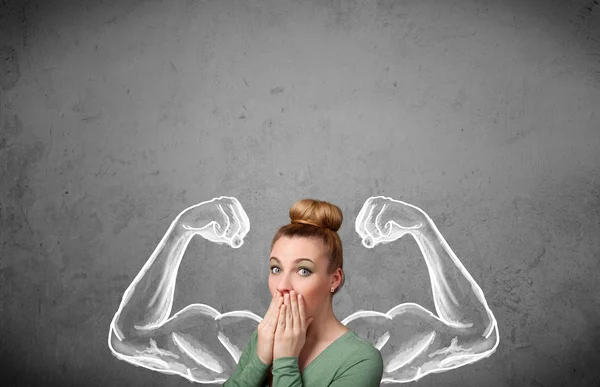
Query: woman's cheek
{"points": [[308, 307]]}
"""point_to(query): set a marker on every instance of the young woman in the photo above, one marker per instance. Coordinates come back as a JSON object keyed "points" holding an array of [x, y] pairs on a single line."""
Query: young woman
{"points": [[300, 342]]}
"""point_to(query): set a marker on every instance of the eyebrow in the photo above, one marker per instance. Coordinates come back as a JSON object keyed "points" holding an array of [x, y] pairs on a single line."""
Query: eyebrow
{"points": [[295, 260]]}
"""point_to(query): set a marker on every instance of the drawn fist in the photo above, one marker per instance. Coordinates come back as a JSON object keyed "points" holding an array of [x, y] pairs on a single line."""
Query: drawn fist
{"points": [[383, 220], [220, 220]]}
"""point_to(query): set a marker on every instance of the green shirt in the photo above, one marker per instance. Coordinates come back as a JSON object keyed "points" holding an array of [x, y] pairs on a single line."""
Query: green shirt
{"points": [[348, 361]]}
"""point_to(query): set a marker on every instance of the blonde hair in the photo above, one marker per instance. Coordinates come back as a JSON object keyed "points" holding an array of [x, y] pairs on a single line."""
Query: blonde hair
{"points": [[319, 220]]}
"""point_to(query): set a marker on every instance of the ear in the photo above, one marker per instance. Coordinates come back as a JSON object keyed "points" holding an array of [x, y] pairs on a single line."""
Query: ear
{"points": [[337, 278]]}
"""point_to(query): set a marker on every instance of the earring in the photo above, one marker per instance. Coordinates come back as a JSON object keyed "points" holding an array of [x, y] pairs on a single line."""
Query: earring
{"points": [[332, 290]]}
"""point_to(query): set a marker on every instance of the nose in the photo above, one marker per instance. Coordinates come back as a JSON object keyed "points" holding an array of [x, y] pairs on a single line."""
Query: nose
{"points": [[284, 285]]}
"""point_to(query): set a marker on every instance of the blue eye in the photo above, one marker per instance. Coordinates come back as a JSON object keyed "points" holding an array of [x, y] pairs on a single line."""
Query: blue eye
{"points": [[303, 268], [309, 272]]}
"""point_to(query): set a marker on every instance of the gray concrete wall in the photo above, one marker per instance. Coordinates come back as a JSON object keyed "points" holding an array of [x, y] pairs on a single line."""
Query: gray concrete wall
{"points": [[117, 115]]}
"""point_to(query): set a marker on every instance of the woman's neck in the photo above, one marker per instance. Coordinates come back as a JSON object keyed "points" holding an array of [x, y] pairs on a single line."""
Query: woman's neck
{"points": [[325, 327]]}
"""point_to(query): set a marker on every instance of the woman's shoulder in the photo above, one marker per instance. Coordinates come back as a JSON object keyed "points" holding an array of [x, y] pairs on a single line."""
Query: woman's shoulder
{"points": [[361, 350], [361, 358]]}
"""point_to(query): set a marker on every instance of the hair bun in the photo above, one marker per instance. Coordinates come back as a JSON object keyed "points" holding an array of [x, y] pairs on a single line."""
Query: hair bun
{"points": [[318, 213]]}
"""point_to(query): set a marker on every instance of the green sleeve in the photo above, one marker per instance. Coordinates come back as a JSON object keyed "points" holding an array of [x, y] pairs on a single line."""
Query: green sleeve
{"points": [[363, 370], [250, 371], [286, 372]]}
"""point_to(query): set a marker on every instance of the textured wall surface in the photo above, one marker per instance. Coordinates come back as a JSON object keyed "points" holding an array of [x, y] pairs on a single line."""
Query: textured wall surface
{"points": [[116, 115]]}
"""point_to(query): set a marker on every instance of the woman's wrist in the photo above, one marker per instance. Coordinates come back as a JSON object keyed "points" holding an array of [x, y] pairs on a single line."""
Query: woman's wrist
{"points": [[262, 361]]}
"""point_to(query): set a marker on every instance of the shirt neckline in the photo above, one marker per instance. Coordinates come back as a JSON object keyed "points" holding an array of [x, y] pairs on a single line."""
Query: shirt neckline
{"points": [[316, 359]]}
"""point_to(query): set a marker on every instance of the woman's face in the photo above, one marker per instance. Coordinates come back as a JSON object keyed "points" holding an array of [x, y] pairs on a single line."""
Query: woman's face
{"points": [[300, 264]]}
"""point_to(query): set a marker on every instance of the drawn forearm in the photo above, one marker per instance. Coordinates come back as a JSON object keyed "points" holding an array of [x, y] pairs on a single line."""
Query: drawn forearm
{"points": [[147, 302], [458, 299]]}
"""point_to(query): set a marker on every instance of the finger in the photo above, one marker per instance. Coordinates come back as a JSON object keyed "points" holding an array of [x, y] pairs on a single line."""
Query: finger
{"points": [[235, 220], [301, 312], [224, 225], [231, 200], [278, 301], [282, 317], [274, 305], [370, 231], [274, 319], [289, 315], [295, 316], [275, 315], [229, 220], [378, 219], [286, 303], [361, 218], [371, 218], [244, 221]]}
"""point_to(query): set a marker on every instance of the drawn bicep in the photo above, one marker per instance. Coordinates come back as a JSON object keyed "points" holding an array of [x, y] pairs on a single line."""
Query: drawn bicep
{"points": [[413, 342], [198, 343]]}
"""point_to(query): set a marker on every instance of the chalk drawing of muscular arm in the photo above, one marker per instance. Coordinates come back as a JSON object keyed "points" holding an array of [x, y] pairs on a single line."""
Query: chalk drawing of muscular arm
{"points": [[204, 345], [198, 342], [413, 341]]}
